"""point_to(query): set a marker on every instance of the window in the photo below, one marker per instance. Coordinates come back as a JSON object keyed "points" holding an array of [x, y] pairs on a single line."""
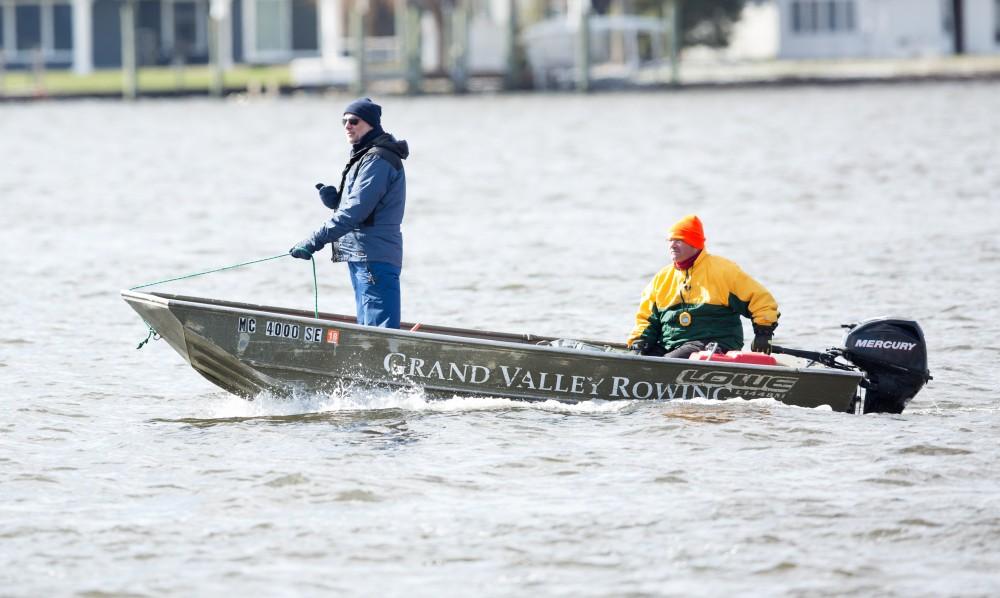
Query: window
{"points": [[823, 16], [830, 15], [185, 28], [813, 23], [804, 16], [271, 25], [180, 30], [62, 21], [149, 34], [277, 30], [28, 24], [31, 30], [305, 33]]}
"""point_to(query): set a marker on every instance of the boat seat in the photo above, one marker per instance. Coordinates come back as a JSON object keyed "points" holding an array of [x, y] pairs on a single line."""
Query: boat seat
{"points": [[749, 357]]}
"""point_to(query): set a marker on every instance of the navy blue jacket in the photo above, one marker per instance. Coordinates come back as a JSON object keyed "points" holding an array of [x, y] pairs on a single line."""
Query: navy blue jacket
{"points": [[365, 227]]}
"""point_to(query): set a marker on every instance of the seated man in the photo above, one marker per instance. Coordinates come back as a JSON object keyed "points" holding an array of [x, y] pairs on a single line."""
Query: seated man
{"points": [[698, 300]]}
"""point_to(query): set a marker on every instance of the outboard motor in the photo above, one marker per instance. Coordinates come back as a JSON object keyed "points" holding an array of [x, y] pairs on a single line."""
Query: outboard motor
{"points": [[893, 355]]}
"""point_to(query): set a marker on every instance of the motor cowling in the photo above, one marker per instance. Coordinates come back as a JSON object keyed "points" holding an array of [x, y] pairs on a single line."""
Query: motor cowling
{"points": [[893, 355]]}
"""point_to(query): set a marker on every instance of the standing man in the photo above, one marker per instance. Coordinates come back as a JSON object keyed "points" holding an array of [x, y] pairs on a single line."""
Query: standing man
{"points": [[698, 300], [367, 213]]}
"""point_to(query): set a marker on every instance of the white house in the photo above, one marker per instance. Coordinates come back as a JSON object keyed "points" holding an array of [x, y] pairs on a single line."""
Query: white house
{"points": [[887, 28], [86, 34]]}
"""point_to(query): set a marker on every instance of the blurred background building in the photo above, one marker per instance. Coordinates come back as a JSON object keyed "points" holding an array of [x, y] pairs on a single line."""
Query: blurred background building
{"points": [[888, 28], [315, 36]]}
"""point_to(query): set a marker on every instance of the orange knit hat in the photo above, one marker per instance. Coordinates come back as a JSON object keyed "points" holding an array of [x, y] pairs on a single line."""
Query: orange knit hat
{"points": [[689, 230]]}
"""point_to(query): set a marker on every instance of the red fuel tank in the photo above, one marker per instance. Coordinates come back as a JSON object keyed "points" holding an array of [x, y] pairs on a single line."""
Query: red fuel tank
{"points": [[736, 357]]}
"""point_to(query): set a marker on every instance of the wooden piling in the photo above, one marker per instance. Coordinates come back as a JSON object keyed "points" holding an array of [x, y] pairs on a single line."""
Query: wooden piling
{"points": [[360, 82], [216, 83], [583, 48], [512, 75], [38, 72], [459, 48], [675, 32], [412, 46], [220, 56], [130, 78]]}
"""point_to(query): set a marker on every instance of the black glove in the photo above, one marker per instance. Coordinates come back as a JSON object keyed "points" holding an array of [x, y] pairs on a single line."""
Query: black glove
{"points": [[329, 195], [304, 249], [762, 336], [639, 346]]}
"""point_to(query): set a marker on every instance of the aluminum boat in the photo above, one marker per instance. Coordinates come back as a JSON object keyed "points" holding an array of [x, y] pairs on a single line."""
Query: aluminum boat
{"points": [[250, 349]]}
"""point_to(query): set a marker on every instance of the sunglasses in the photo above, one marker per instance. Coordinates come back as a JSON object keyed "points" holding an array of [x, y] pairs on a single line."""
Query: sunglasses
{"points": [[352, 121]]}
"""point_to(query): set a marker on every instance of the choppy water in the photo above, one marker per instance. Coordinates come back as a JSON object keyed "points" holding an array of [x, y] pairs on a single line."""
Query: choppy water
{"points": [[124, 473]]}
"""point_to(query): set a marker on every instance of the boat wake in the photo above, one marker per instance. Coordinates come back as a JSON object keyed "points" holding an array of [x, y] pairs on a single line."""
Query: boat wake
{"points": [[377, 404], [357, 400], [409, 399]]}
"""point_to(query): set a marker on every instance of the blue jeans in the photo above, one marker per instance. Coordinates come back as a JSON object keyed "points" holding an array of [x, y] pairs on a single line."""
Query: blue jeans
{"points": [[376, 293]]}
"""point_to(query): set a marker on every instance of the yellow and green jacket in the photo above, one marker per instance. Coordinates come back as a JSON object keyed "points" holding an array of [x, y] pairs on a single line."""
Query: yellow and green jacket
{"points": [[714, 292]]}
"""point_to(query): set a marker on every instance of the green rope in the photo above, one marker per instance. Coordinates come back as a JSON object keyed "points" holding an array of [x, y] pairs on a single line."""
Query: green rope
{"points": [[149, 284], [154, 335], [315, 287]]}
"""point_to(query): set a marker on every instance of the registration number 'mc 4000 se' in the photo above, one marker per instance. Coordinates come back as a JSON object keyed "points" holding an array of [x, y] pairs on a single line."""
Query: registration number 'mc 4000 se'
{"points": [[311, 334]]}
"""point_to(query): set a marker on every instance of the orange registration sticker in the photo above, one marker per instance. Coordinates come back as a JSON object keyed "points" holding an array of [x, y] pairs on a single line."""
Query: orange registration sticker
{"points": [[333, 336]]}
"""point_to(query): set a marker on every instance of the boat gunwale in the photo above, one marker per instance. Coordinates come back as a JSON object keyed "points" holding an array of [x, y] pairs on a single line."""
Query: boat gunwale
{"points": [[471, 336]]}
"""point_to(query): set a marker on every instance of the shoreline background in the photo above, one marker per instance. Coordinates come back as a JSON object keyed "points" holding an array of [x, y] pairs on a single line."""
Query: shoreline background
{"points": [[21, 86]]}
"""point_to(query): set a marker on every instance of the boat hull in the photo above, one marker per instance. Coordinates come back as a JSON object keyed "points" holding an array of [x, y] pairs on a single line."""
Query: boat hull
{"points": [[248, 349]]}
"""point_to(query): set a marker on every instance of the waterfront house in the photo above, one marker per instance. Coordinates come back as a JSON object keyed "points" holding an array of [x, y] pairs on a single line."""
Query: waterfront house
{"points": [[87, 34], [887, 28]]}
